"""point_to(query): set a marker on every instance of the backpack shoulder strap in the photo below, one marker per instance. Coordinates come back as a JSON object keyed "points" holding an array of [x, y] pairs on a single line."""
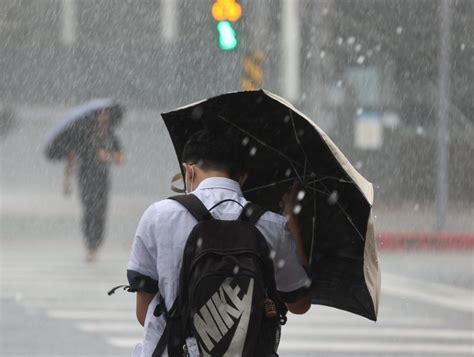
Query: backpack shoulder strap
{"points": [[252, 213], [194, 206]]}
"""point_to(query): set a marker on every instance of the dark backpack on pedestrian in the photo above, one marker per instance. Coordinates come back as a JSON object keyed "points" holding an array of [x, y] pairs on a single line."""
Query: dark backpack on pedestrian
{"points": [[227, 298]]}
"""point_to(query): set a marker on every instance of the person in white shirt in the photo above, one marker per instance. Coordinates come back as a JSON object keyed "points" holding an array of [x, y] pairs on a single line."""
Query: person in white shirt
{"points": [[214, 171]]}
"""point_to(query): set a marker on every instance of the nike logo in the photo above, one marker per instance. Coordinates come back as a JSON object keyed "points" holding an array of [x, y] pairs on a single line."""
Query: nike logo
{"points": [[221, 312]]}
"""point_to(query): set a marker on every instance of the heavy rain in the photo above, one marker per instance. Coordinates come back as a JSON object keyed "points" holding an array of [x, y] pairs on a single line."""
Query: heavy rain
{"points": [[363, 137]]}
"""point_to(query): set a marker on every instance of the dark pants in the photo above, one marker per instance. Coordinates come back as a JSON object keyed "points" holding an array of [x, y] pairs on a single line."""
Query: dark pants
{"points": [[94, 195]]}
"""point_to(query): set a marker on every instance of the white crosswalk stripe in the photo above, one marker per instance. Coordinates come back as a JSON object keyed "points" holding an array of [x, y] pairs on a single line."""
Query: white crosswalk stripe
{"points": [[73, 291]]}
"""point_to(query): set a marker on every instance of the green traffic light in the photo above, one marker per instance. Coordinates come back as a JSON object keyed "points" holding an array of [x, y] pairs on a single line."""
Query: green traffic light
{"points": [[227, 36]]}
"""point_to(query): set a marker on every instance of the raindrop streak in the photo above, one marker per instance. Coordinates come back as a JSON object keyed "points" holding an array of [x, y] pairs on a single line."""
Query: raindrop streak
{"points": [[199, 243], [360, 59], [253, 151], [272, 254], [340, 41], [245, 141], [420, 130], [358, 47], [281, 263], [333, 197], [416, 208], [288, 172], [286, 118], [236, 270], [399, 30], [359, 111], [463, 46], [322, 54], [339, 83], [358, 165], [309, 55], [351, 40]]}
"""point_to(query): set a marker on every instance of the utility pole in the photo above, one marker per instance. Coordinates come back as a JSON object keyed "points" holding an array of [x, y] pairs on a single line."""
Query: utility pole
{"points": [[169, 24], [290, 28], [69, 22], [444, 89]]}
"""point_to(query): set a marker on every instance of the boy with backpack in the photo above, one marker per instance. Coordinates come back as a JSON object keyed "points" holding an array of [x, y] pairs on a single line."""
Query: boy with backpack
{"points": [[215, 274]]}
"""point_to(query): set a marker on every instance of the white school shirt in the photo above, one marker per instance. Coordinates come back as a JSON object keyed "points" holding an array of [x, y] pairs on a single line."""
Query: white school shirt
{"points": [[162, 233]]}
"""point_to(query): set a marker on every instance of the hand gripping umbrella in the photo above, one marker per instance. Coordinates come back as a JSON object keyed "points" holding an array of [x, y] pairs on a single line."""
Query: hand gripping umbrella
{"points": [[335, 200], [70, 132]]}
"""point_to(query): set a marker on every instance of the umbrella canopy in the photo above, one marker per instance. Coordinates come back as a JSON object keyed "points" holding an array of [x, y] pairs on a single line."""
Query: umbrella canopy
{"points": [[72, 129], [335, 200]]}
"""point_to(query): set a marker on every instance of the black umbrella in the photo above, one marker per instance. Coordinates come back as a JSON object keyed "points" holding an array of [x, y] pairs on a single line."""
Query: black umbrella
{"points": [[335, 200], [73, 129]]}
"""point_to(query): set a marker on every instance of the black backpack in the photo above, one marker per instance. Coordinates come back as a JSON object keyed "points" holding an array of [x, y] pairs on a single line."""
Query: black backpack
{"points": [[227, 297]]}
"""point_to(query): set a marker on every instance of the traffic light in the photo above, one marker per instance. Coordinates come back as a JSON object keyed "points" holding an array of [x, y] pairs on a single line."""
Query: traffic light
{"points": [[225, 12]]}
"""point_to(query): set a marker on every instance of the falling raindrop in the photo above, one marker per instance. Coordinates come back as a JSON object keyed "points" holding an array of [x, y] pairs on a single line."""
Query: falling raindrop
{"points": [[420, 130], [322, 54], [286, 118], [197, 113], [236, 270], [309, 55], [340, 41], [416, 208], [333, 197], [360, 59], [463, 46], [272, 254], [351, 40], [378, 48], [300, 195], [325, 11], [399, 30], [358, 165], [245, 141], [339, 84], [370, 53], [357, 47], [307, 283], [281, 263], [300, 133], [253, 151], [359, 111], [288, 172], [199, 242], [297, 209]]}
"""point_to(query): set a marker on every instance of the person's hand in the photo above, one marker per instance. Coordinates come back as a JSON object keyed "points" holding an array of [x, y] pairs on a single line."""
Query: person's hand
{"points": [[104, 156], [289, 200], [118, 158]]}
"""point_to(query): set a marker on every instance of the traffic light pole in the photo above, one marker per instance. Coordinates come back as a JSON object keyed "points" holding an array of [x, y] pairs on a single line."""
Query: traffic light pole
{"points": [[290, 28]]}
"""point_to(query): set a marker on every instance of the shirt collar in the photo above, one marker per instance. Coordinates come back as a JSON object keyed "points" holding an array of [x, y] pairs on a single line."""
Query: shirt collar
{"points": [[220, 182]]}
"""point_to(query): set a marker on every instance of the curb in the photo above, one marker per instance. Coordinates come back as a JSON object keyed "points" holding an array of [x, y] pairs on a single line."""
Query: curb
{"points": [[424, 241]]}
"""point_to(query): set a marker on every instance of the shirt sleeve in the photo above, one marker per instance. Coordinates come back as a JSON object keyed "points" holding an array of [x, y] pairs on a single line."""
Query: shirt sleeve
{"points": [[141, 271], [291, 278]]}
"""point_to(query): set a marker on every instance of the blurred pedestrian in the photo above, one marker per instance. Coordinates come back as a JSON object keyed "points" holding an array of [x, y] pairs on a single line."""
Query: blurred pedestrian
{"points": [[99, 148]]}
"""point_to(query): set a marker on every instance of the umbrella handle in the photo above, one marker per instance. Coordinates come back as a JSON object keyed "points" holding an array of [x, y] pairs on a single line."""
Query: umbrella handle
{"points": [[175, 178]]}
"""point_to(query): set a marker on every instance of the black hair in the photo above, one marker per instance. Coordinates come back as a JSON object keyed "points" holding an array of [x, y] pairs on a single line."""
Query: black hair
{"points": [[212, 150]]}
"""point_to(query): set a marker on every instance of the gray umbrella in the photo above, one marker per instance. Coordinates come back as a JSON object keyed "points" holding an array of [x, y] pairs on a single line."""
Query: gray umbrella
{"points": [[69, 133]]}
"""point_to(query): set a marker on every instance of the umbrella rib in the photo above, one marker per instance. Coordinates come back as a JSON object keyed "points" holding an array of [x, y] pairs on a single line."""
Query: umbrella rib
{"points": [[299, 142], [271, 184], [347, 216], [292, 162], [313, 228]]}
